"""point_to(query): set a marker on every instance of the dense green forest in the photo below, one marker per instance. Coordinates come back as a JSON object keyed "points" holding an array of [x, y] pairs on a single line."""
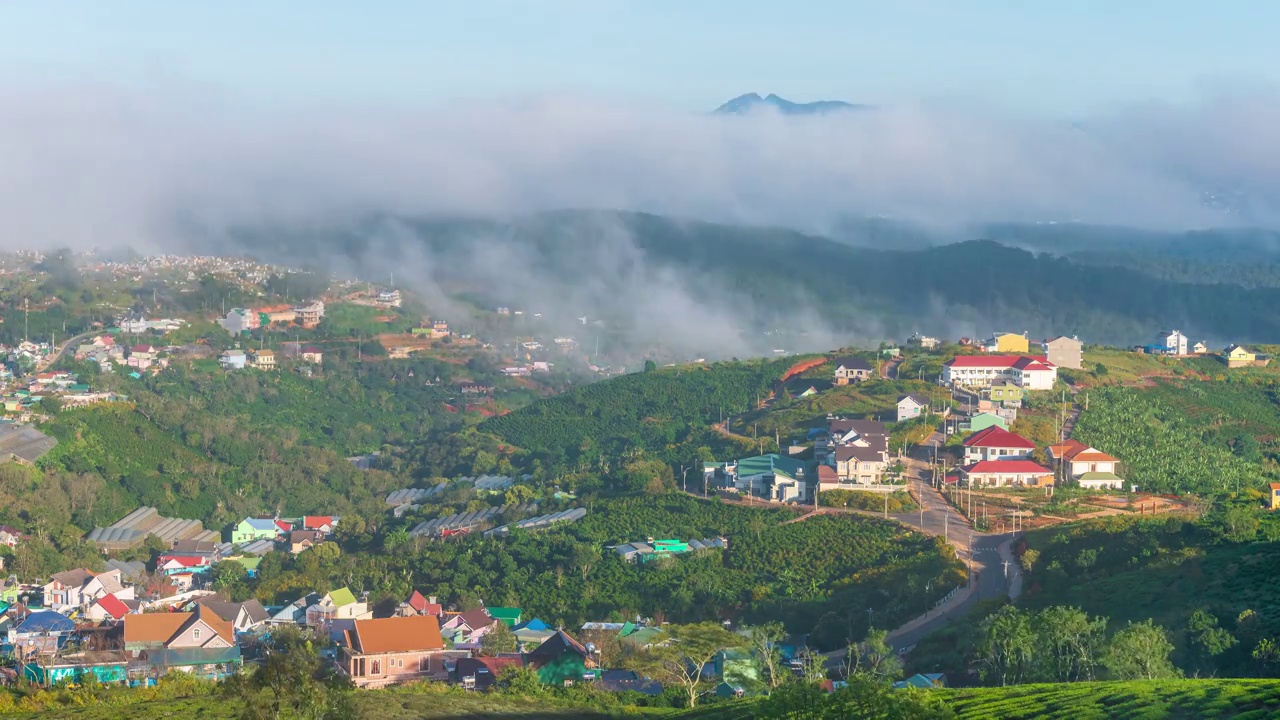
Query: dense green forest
{"points": [[1168, 570], [218, 446], [664, 414]]}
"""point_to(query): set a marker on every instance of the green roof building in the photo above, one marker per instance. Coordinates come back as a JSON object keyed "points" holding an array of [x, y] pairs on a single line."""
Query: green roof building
{"points": [[509, 616], [772, 476]]}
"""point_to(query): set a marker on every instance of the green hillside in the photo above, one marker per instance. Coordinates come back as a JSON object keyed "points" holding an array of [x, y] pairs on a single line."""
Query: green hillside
{"points": [[877, 291], [665, 413], [1132, 700]]}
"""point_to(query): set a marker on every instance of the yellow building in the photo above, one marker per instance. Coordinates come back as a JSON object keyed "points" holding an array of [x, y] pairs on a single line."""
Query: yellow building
{"points": [[1237, 356], [1008, 343], [1274, 499]]}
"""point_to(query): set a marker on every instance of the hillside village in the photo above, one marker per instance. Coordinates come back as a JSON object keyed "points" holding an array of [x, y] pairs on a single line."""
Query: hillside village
{"points": [[138, 620], [992, 417]]}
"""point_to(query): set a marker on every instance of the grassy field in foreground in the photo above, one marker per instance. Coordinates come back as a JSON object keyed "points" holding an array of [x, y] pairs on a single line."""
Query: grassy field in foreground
{"points": [[1130, 700], [1217, 698], [375, 704]]}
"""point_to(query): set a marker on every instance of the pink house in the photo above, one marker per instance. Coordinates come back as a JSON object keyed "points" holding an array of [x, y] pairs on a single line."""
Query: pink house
{"points": [[393, 650]]}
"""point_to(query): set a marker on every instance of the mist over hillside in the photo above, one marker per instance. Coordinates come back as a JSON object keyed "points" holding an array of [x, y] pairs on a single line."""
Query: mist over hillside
{"points": [[98, 165], [712, 290], [700, 233]]}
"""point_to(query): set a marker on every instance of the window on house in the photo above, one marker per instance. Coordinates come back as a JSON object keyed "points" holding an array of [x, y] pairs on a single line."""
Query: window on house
{"points": [[195, 634], [424, 664], [376, 667]]}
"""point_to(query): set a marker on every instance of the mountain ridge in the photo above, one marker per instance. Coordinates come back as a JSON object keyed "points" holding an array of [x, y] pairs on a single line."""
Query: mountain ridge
{"points": [[752, 102]]}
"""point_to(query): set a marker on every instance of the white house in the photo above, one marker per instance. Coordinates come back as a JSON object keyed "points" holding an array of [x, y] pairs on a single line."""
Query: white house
{"points": [[852, 369], [107, 607], [232, 360], [1175, 343], [240, 320], [996, 443], [75, 589], [1003, 473], [1088, 466], [1033, 372], [911, 406]]}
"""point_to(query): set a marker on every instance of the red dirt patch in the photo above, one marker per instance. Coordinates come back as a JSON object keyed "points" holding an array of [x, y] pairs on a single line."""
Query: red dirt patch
{"points": [[800, 367]]}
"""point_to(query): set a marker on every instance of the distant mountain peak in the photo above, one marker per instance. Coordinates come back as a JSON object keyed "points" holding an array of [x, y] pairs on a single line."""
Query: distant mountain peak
{"points": [[751, 102]]}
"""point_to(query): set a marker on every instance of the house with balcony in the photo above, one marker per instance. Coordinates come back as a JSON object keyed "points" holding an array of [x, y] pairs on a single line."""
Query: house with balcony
{"points": [[996, 443], [1087, 466], [1030, 372], [1007, 473], [340, 604], [263, 359], [310, 314]]}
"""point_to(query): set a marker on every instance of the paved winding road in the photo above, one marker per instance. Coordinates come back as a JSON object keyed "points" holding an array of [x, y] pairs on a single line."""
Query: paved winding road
{"points": [[993, 572]]}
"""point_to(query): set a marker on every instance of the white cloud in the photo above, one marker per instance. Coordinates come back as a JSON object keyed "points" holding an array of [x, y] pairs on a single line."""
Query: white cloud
{"points": [[93, 165]]}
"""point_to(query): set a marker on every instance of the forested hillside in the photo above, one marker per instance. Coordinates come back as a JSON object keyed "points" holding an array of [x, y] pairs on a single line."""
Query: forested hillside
{"points": [[663, 414], [771, 277]]}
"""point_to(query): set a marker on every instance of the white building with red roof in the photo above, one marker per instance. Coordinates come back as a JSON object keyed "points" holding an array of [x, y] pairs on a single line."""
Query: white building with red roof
{"points": [[1002, 473], [1033, 372], [996, 443], [1089, 467], [107, 607]]}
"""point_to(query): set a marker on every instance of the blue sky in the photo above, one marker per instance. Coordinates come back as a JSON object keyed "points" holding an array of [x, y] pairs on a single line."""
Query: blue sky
{"points": [[1054, 57]]}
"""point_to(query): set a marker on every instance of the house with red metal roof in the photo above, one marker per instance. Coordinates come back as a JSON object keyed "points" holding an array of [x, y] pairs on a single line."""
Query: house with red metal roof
{"points": [[1003, 473], [322, 523], [1032, 372], [996, 443], [107, 607], [1088, 466]]}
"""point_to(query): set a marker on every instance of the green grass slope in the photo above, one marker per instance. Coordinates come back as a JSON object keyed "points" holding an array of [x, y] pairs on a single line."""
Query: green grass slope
{"points": [[1120, 700]]}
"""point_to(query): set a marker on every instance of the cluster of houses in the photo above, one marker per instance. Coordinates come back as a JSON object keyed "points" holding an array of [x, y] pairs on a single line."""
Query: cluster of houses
{"points": [[650, 549], [108, 353], [266, 358], [434, 329], [24, 355], [1175, 343], [137, 323], [194, 551], [239, 321], [84, 623], [996, 457], [22, 397], [847, 454]]}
